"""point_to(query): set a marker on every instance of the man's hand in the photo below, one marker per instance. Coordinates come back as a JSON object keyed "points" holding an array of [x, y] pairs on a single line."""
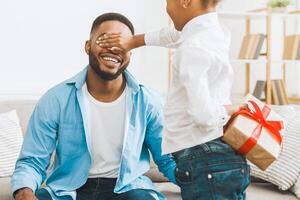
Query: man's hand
{"points": [[231, 109], [25, 194], [117, 42]]}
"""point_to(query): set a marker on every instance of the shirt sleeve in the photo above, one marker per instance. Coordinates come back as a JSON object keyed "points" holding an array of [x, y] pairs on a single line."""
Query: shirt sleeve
{"points": [[195, 64], [153, 139], [39, 144], [166, 37]]}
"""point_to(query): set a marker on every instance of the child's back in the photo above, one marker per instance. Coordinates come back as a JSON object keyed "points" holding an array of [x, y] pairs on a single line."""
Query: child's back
{"points": [[201, 84]]}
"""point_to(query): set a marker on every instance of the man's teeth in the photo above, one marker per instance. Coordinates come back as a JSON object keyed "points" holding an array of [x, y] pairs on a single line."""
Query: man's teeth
{"points": [[110, 59]]}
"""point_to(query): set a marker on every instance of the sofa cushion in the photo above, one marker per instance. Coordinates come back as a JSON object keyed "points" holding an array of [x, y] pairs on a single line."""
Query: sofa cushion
{"points": [[154, 174], [24, 109], [286, 169], [5, 193], [11, 140], [267, 191], [171, 191], [256, 191]]}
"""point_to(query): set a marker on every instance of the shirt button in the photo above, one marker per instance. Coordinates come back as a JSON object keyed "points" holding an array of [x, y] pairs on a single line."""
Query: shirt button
{"points": [[177, 169], [243, 171], [209, 176], [187, 173]]}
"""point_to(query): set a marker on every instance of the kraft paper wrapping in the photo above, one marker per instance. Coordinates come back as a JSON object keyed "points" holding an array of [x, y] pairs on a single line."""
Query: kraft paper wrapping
{"points": [[267, 149]]}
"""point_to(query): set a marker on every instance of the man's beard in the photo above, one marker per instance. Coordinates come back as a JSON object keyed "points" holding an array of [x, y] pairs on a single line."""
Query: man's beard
{"points": [[94, 63]]}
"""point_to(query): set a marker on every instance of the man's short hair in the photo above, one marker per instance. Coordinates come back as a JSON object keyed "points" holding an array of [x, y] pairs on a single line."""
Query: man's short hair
{"points": [[112, 17]]}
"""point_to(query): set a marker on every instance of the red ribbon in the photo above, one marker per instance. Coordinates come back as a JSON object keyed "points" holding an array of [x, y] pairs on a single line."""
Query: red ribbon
{"points": [[260, 116]]}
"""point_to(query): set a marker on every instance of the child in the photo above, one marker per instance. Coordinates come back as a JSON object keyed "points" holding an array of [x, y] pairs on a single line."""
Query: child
{"points": [[198, 103]]}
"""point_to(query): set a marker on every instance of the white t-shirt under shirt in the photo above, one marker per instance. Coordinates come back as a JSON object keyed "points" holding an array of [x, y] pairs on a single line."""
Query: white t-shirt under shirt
{"points": [[107, 125]]}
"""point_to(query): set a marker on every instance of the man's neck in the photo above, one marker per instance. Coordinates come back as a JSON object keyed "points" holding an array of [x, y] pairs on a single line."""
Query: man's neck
{"points": [[103, 90]]}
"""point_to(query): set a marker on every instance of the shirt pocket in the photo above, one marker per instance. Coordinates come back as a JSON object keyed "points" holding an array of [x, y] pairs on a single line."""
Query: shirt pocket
{"points": [[71, 139]]}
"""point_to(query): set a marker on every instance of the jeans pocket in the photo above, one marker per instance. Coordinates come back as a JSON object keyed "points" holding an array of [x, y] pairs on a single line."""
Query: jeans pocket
{"points": [[183, 176], [229, 184]]}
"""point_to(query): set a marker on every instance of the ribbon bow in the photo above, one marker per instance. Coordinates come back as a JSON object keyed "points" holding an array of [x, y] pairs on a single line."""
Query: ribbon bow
{"points": [[260, 116]]}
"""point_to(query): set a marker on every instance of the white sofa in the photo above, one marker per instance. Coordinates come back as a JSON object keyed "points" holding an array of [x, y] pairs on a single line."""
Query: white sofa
{"points": [[256, 191]]}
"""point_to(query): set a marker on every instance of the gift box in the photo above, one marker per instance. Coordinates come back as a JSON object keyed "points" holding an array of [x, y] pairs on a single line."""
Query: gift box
{"points": [[256, 132]]}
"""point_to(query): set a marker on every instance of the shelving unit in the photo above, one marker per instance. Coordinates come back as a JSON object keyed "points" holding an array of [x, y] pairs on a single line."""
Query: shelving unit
{"points": [[259, 14], [267, 15], [264, 61], [293, 13], [253, 61]]}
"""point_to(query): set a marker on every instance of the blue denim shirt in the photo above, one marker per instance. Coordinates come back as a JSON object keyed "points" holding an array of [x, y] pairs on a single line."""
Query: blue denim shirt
{"points": [[59, 123]]}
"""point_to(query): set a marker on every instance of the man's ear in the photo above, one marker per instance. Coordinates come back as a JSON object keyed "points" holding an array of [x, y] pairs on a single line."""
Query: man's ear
{"points": [[185, 3], [87, 47]]}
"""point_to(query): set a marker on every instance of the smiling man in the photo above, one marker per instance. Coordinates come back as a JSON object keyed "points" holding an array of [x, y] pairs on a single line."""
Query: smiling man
{"points": [[101, 124]]}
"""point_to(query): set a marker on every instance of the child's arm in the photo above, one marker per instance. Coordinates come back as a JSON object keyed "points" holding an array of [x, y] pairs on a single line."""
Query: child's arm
{"points": [[166, 37]]}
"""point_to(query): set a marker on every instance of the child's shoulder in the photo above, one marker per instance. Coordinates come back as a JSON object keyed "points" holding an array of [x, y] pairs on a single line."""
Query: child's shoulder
{"points": [[206, 40]]}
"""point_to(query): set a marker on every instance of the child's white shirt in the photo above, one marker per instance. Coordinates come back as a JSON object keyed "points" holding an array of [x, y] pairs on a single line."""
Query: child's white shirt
{"points": [[202, 78]]}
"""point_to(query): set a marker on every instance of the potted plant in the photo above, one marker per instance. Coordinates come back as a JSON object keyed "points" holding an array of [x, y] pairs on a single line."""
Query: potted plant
{"points": [[279, 5]]}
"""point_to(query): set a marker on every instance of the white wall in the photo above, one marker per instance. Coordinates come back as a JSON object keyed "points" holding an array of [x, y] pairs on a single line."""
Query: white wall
{"points": [[41, 42]]}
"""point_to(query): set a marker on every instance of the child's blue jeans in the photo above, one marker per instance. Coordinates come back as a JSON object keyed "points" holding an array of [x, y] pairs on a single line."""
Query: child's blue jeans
{"points": [[211, 171]]}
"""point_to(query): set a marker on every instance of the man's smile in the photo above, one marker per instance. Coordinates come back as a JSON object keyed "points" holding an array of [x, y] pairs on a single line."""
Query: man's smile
{"points": [[111, 60]]}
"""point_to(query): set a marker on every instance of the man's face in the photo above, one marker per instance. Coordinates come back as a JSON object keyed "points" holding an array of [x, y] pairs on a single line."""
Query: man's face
{"points": [[107, 65]]}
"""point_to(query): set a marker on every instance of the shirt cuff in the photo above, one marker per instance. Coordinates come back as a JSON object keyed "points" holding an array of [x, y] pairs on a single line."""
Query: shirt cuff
{"points": [[22, 180], [19, 186], [152, 38]]}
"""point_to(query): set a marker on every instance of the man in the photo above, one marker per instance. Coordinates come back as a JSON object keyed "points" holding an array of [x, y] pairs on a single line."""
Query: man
{"points": [[101, 124]]}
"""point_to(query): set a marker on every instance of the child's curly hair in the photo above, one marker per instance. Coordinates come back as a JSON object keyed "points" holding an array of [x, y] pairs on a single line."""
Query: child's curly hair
{"points": [[206, 3]]}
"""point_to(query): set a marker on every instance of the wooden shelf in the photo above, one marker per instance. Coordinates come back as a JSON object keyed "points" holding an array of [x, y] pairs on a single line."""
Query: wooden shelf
{"points": [[294, 100], [263, 61], [289, 61], [253, 61], [256, 15]]}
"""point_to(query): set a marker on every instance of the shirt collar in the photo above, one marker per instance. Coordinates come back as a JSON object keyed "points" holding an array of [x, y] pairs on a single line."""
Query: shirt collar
{"points": [[202, 21], [79, 79]]}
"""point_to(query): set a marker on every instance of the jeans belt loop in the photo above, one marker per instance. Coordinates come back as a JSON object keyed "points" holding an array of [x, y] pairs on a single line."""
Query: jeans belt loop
{"points": [[206, 148]]}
